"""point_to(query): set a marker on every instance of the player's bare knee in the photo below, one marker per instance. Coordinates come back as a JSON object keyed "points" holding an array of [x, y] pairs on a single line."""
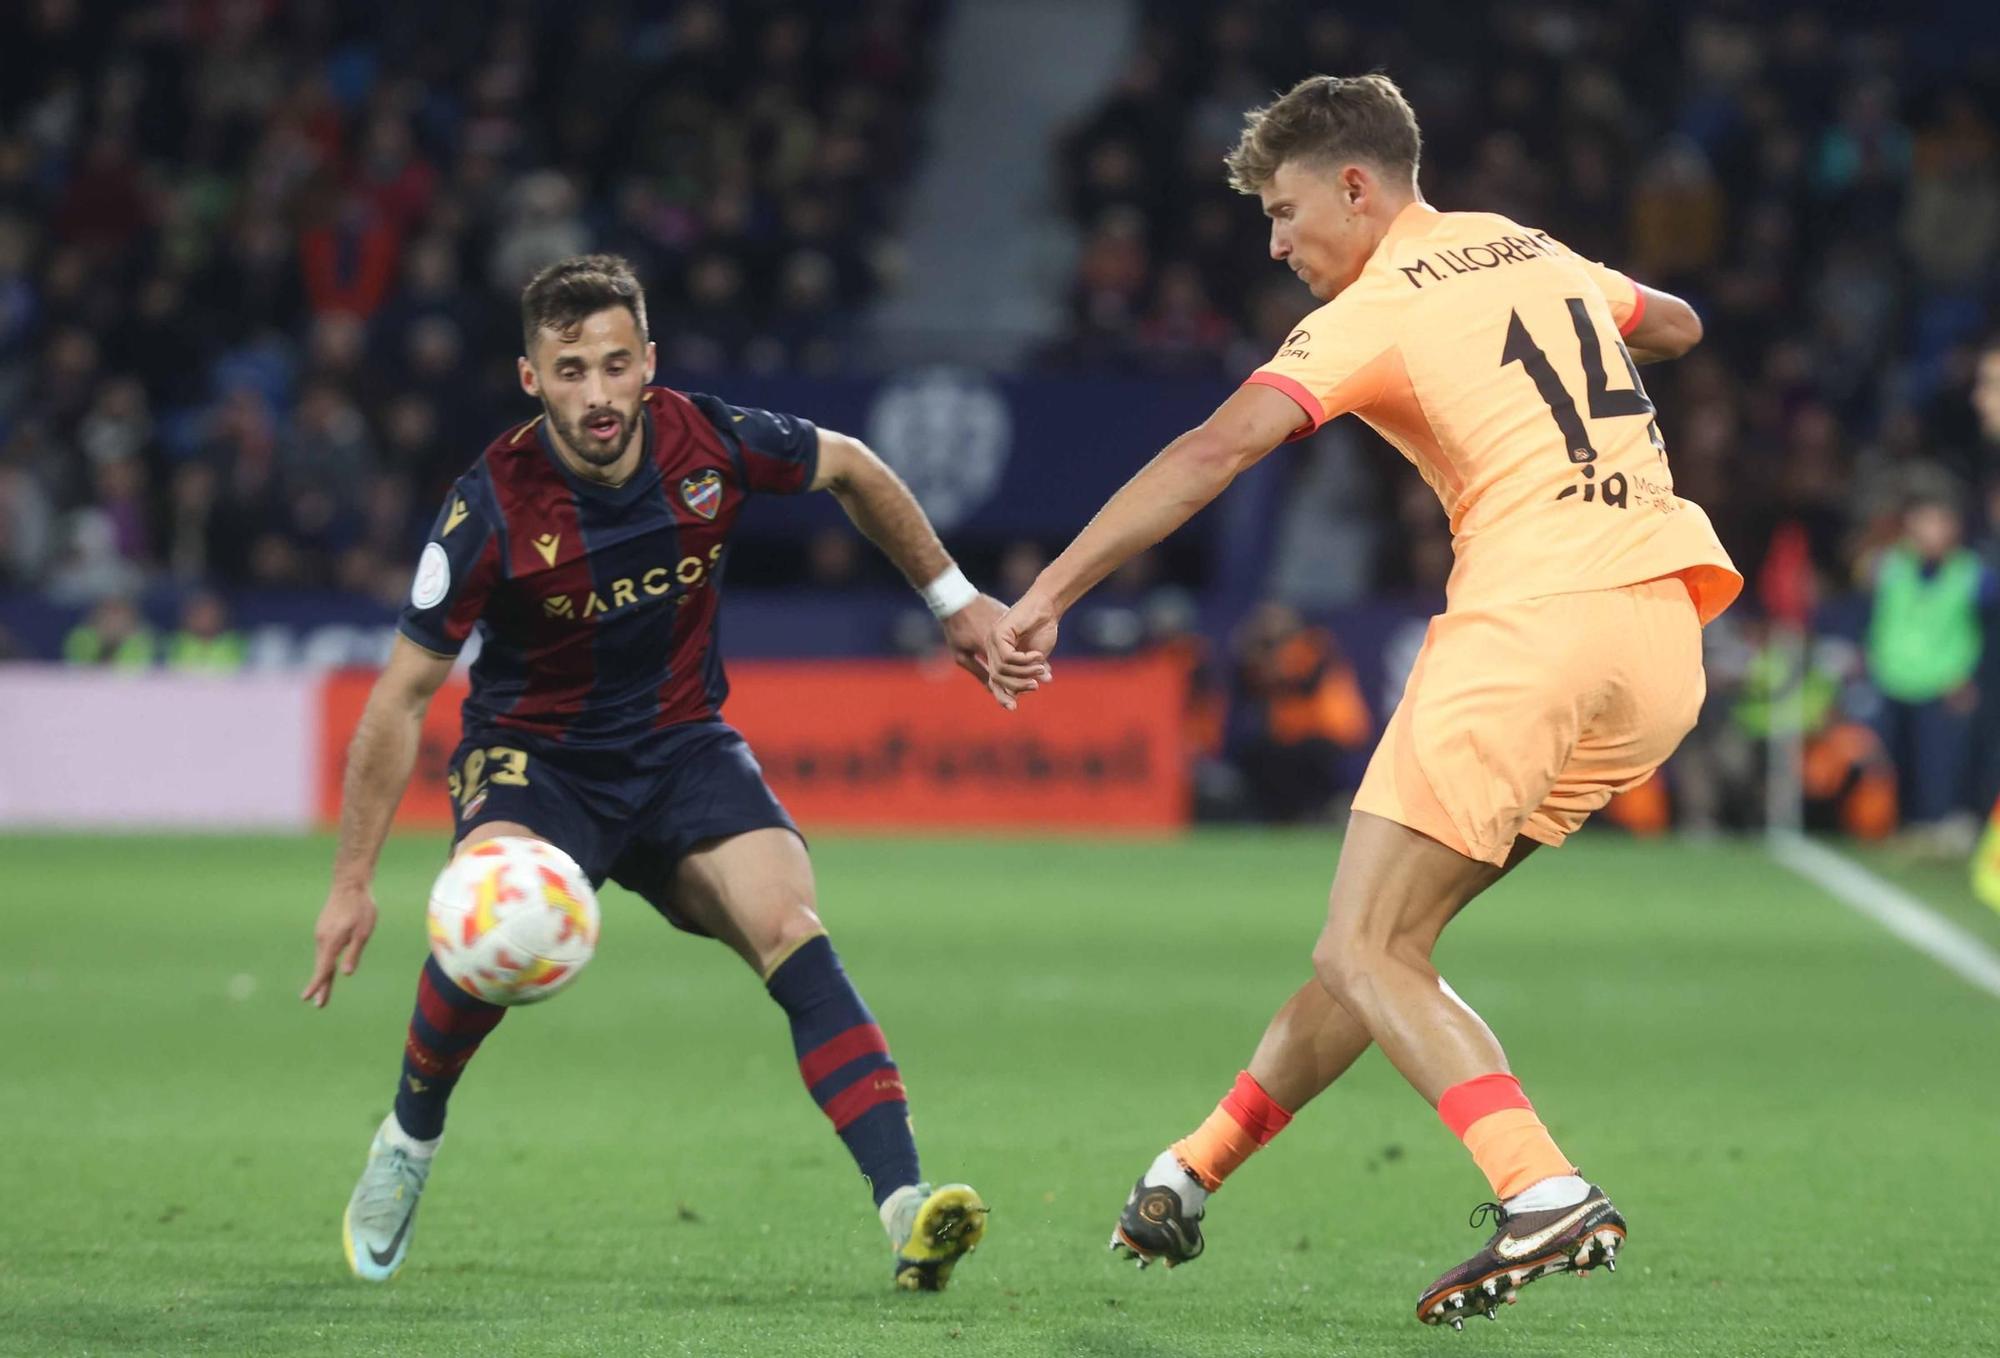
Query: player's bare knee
{"points": [[1341, 965], [1352, 952], [784, 932], [493, 829]]}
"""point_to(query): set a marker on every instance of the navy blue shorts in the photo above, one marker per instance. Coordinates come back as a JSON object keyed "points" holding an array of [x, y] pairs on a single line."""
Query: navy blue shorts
{"points": [[629, 815]]}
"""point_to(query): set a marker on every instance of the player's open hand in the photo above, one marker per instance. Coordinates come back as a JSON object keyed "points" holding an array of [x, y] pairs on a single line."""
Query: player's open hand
{"points": [[345, 924], [965, 633], [1017, 649]]}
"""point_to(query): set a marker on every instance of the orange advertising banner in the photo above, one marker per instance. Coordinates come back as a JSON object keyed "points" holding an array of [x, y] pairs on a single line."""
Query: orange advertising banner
{"points": [[898, 744], [425, 805]]}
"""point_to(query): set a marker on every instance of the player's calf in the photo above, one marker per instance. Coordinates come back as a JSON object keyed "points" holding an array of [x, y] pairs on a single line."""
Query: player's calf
{"points": [[446, 1029], [845, 1063]]}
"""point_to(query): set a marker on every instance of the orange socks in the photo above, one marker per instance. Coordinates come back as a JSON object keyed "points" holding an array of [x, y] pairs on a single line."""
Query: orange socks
{"points": [[1244, 1122], [1489, 1114], [1494, 1119]]}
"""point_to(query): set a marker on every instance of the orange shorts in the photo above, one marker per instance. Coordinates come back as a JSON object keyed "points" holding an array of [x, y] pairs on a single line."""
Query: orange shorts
{"points": [[1523, 718]]}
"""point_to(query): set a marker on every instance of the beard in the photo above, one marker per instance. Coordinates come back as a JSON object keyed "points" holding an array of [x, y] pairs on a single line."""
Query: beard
{"points": [[597, 452]]}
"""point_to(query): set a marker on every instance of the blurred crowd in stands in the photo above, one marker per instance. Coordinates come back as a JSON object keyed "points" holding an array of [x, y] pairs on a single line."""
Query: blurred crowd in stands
{"points": [[260, 262], [1826, 192], [1828, 197]]}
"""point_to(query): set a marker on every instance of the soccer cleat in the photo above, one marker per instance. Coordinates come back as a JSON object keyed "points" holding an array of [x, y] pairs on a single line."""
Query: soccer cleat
{"points": [[1527, 1246], [376, 1228], [932, 1230], [1156, 1225]]}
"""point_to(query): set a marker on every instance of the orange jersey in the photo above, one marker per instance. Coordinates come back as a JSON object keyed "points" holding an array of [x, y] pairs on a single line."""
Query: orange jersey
{"points": [[1494, 360]]}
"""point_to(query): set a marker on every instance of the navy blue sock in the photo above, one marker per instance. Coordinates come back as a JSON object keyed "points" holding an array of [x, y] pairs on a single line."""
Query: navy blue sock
{"points": [[445, 1030], [844, 1060]]}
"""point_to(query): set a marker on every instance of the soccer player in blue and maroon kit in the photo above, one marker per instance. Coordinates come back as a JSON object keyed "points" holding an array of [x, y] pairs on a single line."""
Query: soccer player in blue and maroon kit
{"points": [[587, 546]]}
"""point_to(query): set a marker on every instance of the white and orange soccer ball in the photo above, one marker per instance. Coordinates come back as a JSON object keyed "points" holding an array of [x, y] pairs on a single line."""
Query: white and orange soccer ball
{"points": [[513, 920]]}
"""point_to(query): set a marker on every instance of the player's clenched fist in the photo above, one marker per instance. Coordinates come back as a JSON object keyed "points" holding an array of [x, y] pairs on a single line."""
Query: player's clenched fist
{"points": [[1017, 649]]}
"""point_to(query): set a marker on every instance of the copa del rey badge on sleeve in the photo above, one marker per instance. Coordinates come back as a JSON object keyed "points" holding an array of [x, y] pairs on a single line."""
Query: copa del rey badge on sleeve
{"points": [[433, 577]]}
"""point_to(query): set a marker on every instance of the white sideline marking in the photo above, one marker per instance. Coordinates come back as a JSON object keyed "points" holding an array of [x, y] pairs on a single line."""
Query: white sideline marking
{"points": [[1896, 910]]}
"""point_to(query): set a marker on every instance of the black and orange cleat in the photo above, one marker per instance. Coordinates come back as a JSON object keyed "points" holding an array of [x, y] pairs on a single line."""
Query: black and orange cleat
{"points": [[1156, 1225], [1528, 1245]]}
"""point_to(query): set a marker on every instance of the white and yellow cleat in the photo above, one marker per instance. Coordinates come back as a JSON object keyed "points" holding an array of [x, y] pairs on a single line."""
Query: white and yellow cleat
{"points": [[932, 1229], [375, 1231]]}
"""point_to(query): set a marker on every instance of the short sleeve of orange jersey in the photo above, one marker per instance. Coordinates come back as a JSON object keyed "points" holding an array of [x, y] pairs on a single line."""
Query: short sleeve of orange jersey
{"points": [[1338, 359], [1627, 303]]}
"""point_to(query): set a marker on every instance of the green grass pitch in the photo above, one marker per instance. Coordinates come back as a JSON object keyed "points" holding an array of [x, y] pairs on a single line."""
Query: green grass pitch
{"points": [[1797, 1114]]}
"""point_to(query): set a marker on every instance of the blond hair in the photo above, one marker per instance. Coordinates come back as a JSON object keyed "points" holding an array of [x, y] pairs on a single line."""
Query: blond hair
{"points": [[1327, 118]]}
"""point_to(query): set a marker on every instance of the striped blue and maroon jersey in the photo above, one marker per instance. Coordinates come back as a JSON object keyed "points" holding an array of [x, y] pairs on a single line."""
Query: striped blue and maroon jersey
{"points": [[596, 605]]}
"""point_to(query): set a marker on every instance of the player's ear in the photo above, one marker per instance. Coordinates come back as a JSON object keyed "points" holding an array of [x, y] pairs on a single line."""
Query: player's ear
{"points": [[1354, 184], [652, 360], [529, 383]]}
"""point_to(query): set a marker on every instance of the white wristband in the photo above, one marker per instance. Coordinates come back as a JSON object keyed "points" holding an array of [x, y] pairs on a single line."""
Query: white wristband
{"points": [[949, 593]]}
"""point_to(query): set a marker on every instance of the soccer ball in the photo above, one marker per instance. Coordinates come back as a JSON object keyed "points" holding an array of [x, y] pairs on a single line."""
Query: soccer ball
{"points": [[512, 920]]}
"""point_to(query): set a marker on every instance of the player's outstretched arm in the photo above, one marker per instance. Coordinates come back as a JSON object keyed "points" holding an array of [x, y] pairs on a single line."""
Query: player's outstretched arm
{"points": [[379, 762], [1667, 328], [1167, 492], [882, 507]]}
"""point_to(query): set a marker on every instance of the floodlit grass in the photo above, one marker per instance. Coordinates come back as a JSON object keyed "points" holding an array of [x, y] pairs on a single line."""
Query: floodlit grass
{"points": [[1796, 1113]]}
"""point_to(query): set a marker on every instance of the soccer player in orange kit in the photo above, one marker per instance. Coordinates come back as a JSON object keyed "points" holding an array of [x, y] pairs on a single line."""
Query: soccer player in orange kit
{"points": [[1565, 667]]}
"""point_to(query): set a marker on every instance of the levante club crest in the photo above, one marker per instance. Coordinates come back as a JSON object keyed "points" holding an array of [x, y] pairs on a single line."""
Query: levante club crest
{"points": [[703, 493]]}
